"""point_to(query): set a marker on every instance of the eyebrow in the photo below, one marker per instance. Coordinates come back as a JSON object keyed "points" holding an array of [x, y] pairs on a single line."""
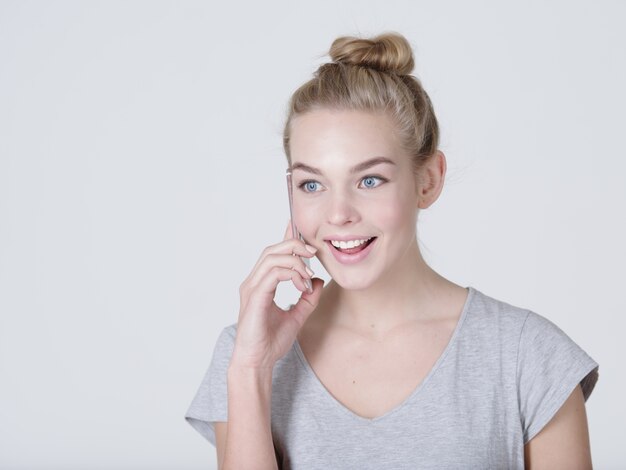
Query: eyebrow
{"points": [[355, 169]]}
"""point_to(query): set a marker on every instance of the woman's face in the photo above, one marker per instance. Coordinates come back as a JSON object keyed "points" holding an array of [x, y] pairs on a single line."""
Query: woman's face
{"points": [[352, 181]]}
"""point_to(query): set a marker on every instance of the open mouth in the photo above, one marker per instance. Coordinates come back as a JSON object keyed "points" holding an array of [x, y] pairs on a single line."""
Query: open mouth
{"points": [[353, 250]]}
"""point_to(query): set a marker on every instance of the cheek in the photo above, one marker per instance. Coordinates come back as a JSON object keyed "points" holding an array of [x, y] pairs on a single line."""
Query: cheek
{"points": [[393, 212], [305, 214]]}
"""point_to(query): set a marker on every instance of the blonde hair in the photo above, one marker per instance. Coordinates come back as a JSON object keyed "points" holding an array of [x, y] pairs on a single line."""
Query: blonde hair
{"points": [[372, 75]]}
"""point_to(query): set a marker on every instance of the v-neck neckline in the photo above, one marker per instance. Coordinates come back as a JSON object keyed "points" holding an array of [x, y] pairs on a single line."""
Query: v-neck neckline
{"points": [[337, 404]]}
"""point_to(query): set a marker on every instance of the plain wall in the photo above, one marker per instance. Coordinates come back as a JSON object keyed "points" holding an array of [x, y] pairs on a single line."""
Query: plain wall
{"points": [[142, 174]]}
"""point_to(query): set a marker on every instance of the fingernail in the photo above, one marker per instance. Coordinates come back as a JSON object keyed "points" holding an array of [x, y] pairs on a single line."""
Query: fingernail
{"points": [[309, 271], [310, 248]]}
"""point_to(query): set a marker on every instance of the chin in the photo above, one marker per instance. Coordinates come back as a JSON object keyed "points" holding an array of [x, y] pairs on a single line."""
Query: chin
{"points": [[352, 281]]}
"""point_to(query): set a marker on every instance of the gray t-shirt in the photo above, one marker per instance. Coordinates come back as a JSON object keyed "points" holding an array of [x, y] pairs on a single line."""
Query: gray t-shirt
{"points": [[504, 374]]}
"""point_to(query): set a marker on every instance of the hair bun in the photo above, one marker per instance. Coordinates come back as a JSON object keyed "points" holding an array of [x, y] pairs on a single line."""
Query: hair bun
{"points": [[387, 52]]}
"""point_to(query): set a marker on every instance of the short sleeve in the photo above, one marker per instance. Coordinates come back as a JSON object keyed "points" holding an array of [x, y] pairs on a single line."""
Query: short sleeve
{"points": [[549, 366], [211, 400]]}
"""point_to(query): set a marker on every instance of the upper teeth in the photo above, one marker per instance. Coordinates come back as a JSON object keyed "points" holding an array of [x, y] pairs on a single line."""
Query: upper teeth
{"points": [[349, 244]]}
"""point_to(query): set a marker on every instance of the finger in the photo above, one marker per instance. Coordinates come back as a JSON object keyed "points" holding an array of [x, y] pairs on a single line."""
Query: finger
{"points": [[288, 246], [280, 260], [266, 290], [307, 302]]}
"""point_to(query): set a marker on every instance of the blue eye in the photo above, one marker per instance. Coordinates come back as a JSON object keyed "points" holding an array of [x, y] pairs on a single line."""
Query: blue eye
{"points": [[369, 181], [308, 186]]}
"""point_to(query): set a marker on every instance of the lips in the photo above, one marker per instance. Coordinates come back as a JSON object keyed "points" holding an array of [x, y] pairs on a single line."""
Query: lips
{"points": [[352, 255]]}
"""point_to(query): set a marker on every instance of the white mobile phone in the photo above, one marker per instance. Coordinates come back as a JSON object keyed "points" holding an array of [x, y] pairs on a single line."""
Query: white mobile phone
{"points": [[294, 229]]}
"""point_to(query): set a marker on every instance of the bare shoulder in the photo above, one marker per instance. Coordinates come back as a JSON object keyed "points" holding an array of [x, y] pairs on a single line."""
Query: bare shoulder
{"points": [[564, 441], [220, 441]]}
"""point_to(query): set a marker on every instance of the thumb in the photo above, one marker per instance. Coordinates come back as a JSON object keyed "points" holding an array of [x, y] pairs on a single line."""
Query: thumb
{"points": [[307, 302]]}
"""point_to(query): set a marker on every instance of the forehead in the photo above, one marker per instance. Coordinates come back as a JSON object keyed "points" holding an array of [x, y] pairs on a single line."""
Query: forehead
{"points": [[326, 135]]}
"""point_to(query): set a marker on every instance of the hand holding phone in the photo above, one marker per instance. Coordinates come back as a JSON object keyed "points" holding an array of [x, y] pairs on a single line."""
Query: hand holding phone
{"points": [[265, 332]]}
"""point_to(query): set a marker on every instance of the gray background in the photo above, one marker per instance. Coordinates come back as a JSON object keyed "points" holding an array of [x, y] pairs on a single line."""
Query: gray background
{"points": [[142, 174]]}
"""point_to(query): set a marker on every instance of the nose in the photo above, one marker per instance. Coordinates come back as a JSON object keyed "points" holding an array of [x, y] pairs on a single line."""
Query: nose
{"points": [[341, 209]]}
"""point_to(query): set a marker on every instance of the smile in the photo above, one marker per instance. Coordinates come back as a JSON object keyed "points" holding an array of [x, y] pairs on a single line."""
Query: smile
{"points": [[352, 251], [349, 244]]}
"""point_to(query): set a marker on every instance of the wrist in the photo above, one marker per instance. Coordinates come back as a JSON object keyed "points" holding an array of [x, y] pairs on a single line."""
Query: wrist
{"points": [[244, 377], [245, 364], [242, 368]]}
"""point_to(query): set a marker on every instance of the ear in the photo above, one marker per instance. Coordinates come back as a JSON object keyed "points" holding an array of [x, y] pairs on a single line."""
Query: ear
{"points": [[431, 180]]}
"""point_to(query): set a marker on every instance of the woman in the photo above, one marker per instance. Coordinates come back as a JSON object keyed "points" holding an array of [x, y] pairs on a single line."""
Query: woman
{"points": [[390, 365]]}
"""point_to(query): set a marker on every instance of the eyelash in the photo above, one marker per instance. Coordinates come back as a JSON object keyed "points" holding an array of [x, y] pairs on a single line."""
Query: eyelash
{"points": [[304, 183]]}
